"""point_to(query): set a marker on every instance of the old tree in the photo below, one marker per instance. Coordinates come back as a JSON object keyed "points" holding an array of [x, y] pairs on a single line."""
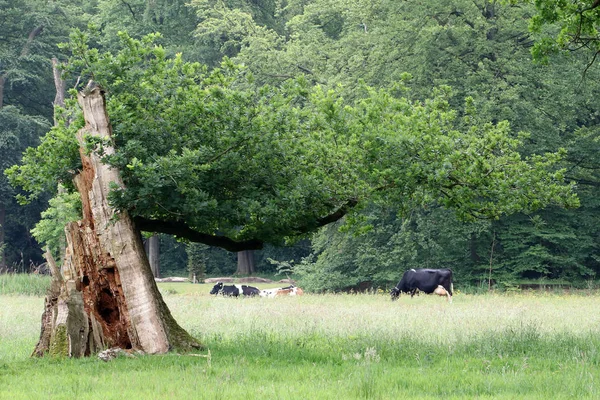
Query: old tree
{"points": [[157, 144]]}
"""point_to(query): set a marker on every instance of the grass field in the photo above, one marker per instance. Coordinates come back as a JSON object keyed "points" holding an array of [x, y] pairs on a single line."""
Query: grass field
{"points": [[518, 346]]}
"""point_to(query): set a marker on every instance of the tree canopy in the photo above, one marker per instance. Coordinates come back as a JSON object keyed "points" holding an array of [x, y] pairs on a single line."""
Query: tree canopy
{"points": [[567, 26], [210, 156]]}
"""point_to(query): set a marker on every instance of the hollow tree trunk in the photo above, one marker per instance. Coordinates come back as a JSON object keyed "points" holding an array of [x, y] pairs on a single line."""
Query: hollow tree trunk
{"points": [[245, 265], [108, 296]]}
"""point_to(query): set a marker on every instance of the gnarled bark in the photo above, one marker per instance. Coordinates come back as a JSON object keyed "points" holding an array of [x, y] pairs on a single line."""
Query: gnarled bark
{"points": [[108, 296]]}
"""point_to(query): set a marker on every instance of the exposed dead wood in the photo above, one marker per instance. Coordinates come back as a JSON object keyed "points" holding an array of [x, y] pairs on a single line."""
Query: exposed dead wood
{"points": [[108, 297]]}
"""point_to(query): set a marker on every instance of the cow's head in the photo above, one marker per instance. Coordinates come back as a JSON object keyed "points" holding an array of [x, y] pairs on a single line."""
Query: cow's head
{"points": [[217, 288], [395, 293]]}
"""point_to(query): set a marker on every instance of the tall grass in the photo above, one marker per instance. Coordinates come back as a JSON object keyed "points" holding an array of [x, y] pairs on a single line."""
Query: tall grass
{"points": [[25, 284], [332, 347]]}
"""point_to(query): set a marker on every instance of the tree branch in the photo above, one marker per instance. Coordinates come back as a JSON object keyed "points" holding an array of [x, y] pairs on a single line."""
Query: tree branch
{"points": [[594, 5], [180, 229], [304, 69], [328, 219], [589, 65], [36, 31], [130, 9], [583, 182]]}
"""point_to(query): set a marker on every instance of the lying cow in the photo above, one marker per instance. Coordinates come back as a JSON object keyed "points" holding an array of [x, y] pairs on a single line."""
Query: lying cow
{"points": [[438, 281], [229, 290], [286, 291], [234, 290]]}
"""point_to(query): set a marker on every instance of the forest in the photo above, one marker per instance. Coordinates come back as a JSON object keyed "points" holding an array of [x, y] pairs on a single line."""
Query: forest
{"points": [[519, 81]]}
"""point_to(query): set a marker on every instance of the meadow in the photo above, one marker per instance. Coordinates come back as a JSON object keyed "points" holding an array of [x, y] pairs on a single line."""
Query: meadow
{"points": [[499, 346]]}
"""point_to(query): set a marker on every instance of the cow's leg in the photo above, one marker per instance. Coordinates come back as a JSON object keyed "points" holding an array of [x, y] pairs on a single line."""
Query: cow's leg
{"points": [[449, 292], [448, 287]]}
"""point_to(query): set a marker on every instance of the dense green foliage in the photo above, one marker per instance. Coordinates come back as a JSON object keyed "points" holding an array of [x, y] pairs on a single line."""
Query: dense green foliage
{"points": [[211, 151], [62, 208], [29, 34], [196, 261], [482, 50], [330, 68], [566, 26]]}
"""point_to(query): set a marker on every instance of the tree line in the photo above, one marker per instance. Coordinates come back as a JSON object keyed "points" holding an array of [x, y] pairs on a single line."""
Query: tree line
{"points": [[446, 68]]}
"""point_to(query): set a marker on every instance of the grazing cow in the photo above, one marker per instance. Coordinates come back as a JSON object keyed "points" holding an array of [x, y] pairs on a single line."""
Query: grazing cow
{"points": [[438, 281], [285, 291]]}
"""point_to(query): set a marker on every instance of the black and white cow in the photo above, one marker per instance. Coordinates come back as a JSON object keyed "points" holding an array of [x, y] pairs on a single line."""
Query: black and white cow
{"points": [[424, 280], [234, 290], [229, 290], [249, 290]]}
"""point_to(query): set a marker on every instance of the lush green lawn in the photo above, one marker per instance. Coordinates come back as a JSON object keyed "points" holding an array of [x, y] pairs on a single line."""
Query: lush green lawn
{"points": [[331, 347]]}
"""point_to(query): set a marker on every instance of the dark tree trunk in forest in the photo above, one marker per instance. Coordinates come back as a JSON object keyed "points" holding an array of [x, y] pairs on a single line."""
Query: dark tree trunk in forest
{"points": [[2, 83], [153, 251], [2, 206], [473, 249], [245, 265], [107, 294], [2, 253]]}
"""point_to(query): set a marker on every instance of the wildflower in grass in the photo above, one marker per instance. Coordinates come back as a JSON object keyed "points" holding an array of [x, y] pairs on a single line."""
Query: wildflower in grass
{"points": [[371, 355]]}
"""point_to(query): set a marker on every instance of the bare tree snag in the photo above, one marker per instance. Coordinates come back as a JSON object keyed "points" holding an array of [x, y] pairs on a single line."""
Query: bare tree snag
{"points": [[109, 297], [30, 38], [59, 84]]}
